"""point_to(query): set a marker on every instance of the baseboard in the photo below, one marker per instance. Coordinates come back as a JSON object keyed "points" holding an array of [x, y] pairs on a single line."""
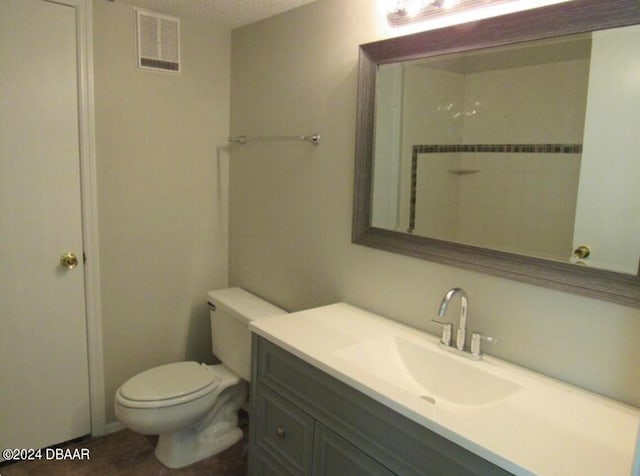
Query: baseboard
{"points": [[114, 426]]}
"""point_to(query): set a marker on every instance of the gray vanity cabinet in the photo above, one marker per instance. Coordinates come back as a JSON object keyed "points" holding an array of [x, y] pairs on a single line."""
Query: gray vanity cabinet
{"points": [[305, 422]]}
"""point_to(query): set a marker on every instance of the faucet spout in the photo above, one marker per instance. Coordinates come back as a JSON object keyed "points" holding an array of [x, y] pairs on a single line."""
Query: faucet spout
{"points": [[464, 306]]}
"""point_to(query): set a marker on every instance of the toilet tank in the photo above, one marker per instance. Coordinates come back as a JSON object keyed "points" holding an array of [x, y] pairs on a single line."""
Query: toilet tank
{"points": [[232, 310]]}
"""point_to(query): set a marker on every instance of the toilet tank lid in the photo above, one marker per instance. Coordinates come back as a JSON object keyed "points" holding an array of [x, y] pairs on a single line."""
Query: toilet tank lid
{"points": [[243, 305]]}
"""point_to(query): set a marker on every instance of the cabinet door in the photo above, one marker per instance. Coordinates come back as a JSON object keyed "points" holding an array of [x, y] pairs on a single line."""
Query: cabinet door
{"points": [[333, 455]]}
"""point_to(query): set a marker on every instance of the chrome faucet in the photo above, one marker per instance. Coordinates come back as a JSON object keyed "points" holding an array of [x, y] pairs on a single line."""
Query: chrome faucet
{"points": [[461, 335]]}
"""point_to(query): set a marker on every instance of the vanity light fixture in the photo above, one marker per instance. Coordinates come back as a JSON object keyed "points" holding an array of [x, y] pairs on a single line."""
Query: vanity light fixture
{"points": [[406, 11]]}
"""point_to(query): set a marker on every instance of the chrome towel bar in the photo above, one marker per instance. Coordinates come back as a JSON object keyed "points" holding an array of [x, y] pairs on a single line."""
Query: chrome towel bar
{"points": [[314, 139]]}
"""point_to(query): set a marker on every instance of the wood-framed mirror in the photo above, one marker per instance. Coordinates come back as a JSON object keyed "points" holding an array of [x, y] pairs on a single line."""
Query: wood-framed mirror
{"points": [[396, 201]]}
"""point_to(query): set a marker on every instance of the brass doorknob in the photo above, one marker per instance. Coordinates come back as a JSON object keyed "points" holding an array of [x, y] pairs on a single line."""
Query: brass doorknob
{"points": [[582, 252], [69, 260]]}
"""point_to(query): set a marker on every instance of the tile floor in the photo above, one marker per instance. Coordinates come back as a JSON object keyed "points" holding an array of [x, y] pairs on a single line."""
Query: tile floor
{"points": [[126, 453]]}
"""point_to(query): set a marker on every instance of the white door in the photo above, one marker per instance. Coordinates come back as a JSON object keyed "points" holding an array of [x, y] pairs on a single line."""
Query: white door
{"points": [[608, 209], [44, 385]]}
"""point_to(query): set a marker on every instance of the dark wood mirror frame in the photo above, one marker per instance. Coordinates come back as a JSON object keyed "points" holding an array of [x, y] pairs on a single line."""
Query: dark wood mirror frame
{"points": [[578, 16]]}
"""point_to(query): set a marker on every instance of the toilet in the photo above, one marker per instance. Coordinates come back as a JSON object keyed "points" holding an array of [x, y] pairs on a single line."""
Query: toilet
{"points": [[193, 407]]}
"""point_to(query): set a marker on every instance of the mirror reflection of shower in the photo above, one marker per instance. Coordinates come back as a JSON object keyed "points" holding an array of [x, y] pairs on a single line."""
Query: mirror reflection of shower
{"points": [[488, 148]]}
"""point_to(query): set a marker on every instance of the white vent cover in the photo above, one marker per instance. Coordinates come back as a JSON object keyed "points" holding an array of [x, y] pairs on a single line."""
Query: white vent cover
{"points": [[158, 42]]}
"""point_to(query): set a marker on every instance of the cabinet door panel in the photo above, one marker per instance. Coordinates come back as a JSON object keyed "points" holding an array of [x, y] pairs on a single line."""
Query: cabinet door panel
{"points": [[261, 464], [333, 455]]}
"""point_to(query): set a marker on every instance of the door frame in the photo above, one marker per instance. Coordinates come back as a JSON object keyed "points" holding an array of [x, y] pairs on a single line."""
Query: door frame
{"points": [[89, 204]]}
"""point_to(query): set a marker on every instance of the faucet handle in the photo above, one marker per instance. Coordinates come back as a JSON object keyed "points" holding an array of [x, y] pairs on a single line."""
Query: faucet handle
{"points": [[447, 331], [476, 337]]}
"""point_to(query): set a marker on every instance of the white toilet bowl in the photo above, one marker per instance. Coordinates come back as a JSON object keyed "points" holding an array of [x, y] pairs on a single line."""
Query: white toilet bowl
{"points": [[192, 407]]}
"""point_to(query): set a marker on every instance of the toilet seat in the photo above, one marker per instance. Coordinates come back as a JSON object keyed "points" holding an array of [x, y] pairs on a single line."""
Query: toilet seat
{"points": [[167, 385]]}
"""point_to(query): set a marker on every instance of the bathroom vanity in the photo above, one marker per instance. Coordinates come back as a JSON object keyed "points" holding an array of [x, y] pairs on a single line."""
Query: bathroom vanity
{"points": [[307, 422], [339, 390]]}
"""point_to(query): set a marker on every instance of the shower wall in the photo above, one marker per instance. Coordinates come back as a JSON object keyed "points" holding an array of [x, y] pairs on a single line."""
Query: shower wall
{"points": [[507, 196]]}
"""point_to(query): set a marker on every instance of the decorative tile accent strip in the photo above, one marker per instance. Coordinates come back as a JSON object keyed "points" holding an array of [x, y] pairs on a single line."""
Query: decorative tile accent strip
{"points": [[495, 148], [500, 148]]}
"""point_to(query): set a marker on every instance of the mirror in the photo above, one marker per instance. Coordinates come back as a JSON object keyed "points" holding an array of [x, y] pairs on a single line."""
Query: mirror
{"points": [[508, 146]]}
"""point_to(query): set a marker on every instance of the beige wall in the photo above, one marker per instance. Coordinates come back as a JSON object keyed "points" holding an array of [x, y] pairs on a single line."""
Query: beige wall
{"points": [[290, 212], [161, 203]]}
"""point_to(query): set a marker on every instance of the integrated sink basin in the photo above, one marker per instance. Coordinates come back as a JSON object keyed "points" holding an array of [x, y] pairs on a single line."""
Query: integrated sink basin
{"points": [[428, 372]]}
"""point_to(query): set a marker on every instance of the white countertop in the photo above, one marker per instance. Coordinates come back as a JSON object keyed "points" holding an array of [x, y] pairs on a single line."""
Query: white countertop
{"points": [[546, 427]]}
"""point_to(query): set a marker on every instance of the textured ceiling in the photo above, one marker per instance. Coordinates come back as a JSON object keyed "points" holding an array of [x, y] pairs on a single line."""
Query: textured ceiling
{"points": [[231, 13]]}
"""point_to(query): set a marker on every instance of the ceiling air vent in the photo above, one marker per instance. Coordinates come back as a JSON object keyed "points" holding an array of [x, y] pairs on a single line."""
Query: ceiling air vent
{"points": [[158, 42]]}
